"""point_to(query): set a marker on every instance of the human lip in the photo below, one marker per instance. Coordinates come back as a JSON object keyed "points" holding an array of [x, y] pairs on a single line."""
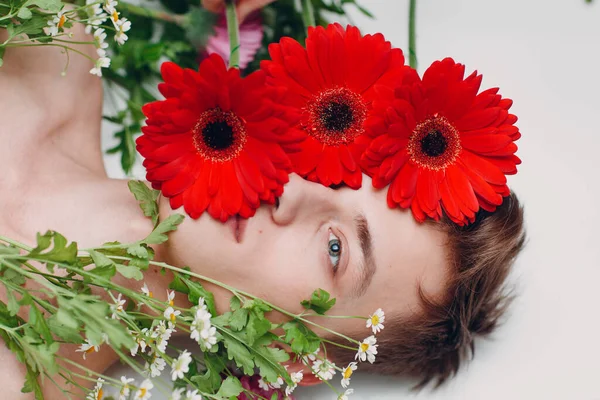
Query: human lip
{"points": [[238, 227]]}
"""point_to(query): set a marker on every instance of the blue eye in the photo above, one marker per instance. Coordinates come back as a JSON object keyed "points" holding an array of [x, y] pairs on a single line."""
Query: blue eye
{"points": [[335, 250]]}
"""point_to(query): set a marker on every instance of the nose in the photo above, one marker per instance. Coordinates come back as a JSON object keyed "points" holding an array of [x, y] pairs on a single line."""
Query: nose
{"points": [[303, 199]]}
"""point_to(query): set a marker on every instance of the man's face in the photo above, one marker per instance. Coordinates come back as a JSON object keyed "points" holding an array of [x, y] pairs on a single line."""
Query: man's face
{"points": [[348, 242]]}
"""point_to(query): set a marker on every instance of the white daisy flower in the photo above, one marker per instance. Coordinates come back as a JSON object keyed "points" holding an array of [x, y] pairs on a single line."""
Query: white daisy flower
{"points": [[122, 26], [347, 393], [347, 373], [171, 297], [208, 338], [308, 358], [100, 38], [125, 388], [87, 348], [156, 367], [296, 379], [192, 395], [277, 384], [171, 314], [163, 333], [181, 365], [119, 301], [147, 291], [200, 323], [376, 321], [95, 16], [140, 342], [263, 385], [177, 393], [101, 62], [143, 392], [110, 5], [97, 393], [367, 350], [323, 369], [57, 23]]}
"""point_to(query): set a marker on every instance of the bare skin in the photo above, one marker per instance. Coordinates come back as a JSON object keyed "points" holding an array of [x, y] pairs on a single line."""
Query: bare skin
{"points": [[53, 178]]}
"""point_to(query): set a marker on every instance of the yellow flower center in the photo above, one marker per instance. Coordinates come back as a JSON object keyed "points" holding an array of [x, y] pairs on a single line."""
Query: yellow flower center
{"points": [[150, 294], [348, 373], [171, 303], [90, 350], [172, 316], [61, 21], [375, 320], [364, 347], [143, 392], [115, 15], [99, 394]]}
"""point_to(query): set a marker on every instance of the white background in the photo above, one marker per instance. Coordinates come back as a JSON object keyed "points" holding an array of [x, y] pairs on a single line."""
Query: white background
{"points": [[545, 55]]}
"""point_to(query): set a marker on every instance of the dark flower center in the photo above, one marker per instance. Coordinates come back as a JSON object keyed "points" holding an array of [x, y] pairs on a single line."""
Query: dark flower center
{"points": [[335, 116], [434, 143], [219, 135]]}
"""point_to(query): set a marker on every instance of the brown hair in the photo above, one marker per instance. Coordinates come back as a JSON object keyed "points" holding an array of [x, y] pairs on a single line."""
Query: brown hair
{"points": [[432, 344]]}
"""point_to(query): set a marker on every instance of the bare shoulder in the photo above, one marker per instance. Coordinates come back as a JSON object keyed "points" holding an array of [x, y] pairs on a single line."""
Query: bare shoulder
{"points": [[32, 79]]}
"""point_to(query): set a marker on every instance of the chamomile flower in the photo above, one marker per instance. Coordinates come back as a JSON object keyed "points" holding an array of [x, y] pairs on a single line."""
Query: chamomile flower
{"points": [[100, 38], [208, 338], [323, 369], [147, 291], [110, 5], [87, 348], [263, 385], [57, 23], [122, 26], [143, 392], [95, 15], [308, 358], [171, 314], [347, 373], [200, 323], [376, 321], [181, 365], [101, 62], [162, 332], [97, 393], [118, 306], [177, 393], [367, 350], [125, 388], [277, 384], [296, 379], [171, 297], [192, 395], [156, 367], [140, 342], [347, 393]]}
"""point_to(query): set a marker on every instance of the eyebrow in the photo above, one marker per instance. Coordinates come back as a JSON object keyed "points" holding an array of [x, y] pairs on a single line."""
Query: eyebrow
{"points": [[366, 264]]}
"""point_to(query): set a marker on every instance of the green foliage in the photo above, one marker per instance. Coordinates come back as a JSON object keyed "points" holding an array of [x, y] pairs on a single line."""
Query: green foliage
{"points": [[302, 339], [159, 234], [319, 302], [230, 387], [147, 198]]}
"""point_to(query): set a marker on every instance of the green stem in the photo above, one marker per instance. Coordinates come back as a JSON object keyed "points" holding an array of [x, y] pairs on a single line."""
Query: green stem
{"points": [[154, 14], [308, 14], [412, 40], [234, 34]]}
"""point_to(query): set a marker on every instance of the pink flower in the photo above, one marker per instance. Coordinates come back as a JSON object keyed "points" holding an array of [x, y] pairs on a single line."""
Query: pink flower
{"points": [[251, 385], [251, 35]]}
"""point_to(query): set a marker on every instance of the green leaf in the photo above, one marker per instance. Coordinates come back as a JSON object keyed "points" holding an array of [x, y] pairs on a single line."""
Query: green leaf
{"points": [[139, 263], [130, 272], [211, 380], [31, 26], [60, 252], [239, 353], [239, 319], [14, 277], [319, 302], [13, 305], [100, 260], [301, 339], [199, 25], [158, 235], [257, 326], [24, 13], [2, 50], [36, 319], [138, 250], [66, 332], [104, 272], [48, 5], [32, 384], [196, 290], [230, 387], [146, 197]]}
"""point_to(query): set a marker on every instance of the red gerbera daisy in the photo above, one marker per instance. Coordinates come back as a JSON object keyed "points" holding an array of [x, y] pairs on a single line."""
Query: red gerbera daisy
{"points": [[440, 145], [329, 89], [215, 142]]}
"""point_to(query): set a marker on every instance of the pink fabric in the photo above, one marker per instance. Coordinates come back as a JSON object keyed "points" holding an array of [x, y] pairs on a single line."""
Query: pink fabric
{"points": [[251, 35]]}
